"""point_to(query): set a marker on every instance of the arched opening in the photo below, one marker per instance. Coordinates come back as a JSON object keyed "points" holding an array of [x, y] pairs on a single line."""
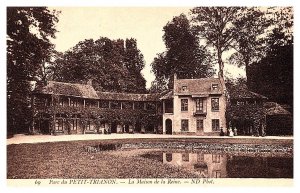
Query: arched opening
{"points": [[169, 126]]}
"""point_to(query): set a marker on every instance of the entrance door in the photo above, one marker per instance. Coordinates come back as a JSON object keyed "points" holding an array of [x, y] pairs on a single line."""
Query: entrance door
{"points": [[169, 126], [199, 126]]}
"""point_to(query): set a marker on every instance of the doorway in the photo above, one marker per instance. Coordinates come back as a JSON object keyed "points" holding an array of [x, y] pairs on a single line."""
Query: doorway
{"points": [[169, 126]]}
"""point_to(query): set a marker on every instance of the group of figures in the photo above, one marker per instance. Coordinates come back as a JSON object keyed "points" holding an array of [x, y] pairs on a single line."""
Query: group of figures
{"points": [[233, 131], [230, 132]]}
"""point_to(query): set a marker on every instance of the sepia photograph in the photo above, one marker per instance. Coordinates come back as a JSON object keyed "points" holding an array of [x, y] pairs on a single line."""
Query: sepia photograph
{"points": [[199, 95]]}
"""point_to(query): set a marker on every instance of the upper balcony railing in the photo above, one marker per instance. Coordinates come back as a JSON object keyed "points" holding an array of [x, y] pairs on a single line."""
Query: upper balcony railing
{"points": [[200, 113], [40, 105], [168, 110]]}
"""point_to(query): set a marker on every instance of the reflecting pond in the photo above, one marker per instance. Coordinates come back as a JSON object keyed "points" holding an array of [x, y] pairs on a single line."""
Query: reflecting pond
{"points": [[226, 165]]}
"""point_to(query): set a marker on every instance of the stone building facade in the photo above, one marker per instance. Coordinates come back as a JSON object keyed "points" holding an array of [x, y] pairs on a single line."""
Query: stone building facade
{"points": [[195, 106], [192, 107]]}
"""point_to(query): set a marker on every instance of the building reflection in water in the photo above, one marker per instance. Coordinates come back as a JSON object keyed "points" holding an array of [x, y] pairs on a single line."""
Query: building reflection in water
{"points": [[205, 165]]}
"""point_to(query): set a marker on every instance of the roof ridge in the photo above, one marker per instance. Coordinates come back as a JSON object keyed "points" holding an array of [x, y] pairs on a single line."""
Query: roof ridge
{"points": [[197, 78], [68, 83], [107, 92]]}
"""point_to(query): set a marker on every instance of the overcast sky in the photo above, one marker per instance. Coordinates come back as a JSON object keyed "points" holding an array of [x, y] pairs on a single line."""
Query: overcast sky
{"points": [[144, 24]]}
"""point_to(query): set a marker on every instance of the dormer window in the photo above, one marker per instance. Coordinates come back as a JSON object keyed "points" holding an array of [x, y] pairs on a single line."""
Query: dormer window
{"points": [[184, 88], [214, 86]]}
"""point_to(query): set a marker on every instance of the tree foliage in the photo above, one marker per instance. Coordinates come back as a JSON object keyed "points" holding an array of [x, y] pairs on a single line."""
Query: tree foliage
{"points": [[112, 65], [217, 26], [251, 44], [272, 76], [263, 42], [183, 54], [250, 41], [28, 46]]}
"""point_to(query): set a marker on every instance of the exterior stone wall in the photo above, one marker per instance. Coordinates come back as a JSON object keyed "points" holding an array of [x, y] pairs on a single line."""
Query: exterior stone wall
{"points": [[178, 115]]}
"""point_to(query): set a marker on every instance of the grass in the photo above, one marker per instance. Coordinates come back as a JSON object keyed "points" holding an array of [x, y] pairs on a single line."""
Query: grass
{"points": [[70, 160]]}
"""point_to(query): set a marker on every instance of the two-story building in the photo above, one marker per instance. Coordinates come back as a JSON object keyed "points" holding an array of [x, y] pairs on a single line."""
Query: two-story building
{"points": [[69, 108], [195, 106]]}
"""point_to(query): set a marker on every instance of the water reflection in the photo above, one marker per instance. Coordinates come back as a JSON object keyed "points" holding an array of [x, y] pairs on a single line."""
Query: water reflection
{"points": [[220, 165], [205, 165]]}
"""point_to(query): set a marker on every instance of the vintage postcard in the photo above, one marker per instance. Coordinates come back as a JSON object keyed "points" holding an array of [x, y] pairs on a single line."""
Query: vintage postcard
{"points": [[198, 96]]}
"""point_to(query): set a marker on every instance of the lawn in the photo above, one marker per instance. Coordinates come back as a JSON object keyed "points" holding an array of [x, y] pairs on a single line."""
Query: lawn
{"points": [[71, 160]]}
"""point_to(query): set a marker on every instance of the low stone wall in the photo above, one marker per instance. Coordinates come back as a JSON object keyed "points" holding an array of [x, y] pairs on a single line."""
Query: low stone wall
{"points": [[197, 134], [262, 149]]}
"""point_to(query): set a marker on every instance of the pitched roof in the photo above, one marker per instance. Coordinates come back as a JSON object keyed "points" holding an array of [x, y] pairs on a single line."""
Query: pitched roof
{"points": [[127, 96], [273, 108], [201, 86], [167, 95], [87, 91], [67, 89], [243, 93]]}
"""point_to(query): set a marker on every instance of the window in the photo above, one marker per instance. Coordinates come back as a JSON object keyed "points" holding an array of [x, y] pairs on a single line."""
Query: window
{"points": [[184, 88], [74, 102], [216, 173], [93, 103], [214, 86], [240, 102], [216, 158], [168, 106], [185, 157], [199, 104], [151, 106], [104, 104], [127, 105], [184, 125], [138, 105], [184, 104], [59, 124], [215, 104], [215, 124], [169, 157], [115, 105], [199, 124], [200, 157]]}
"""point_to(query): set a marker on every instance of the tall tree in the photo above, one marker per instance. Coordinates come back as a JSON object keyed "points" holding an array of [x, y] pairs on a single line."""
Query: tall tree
{"points": [[250, 41], [183, 55], [251, 45], [28, 46], [111, 64], [217, 26], [134, 62], [272, 76]]}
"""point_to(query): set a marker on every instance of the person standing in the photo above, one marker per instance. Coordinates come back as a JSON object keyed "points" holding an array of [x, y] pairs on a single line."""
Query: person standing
{"points": [[235, 131], [222, 132], [230, 132]]}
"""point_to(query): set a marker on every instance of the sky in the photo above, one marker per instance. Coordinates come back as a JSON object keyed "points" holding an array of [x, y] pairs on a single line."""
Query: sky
{"points": [[142, 23]]}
